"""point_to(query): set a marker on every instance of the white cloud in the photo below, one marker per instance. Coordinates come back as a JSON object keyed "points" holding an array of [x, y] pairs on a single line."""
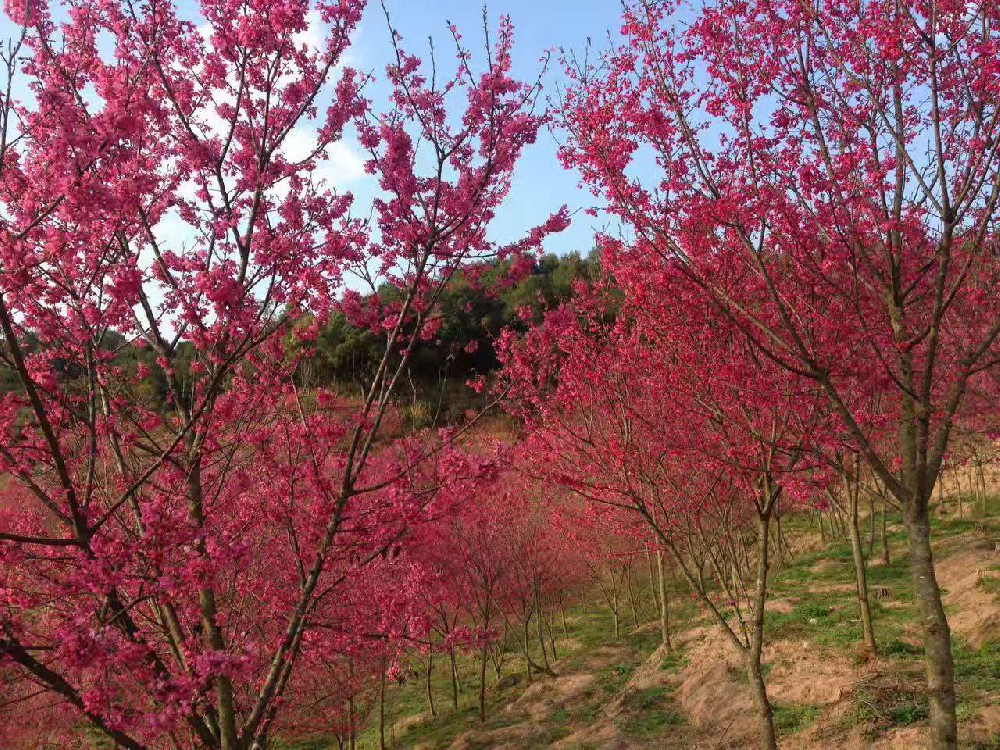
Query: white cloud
{"points": [[343, 166], [314, 33]]}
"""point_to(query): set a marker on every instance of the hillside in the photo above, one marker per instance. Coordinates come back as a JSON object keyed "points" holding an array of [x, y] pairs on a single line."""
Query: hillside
{"points": [[630, 693]]}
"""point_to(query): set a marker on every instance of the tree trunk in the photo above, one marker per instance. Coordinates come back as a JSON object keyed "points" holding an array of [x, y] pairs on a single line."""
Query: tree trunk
{"points": [[541, 629], [958, 483], [552, 638], [527, 655], [765, 714], [352, 735], [940, 668], [872, 524], [885, 538], [652, 580], [430, 672], [982, 485], [664, 603], [631, 595], [780, 543], [860, 571], [381, 709], [482, 682], [454, 676]]}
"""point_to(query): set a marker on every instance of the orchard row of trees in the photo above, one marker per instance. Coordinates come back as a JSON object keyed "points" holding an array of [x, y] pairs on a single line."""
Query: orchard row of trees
{"points": [[797, 308]]}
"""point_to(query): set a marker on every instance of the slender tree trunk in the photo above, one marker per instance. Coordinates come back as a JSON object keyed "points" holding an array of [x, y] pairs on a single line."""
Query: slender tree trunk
{"points": [[430, 673], [982, 485], [940, 668], [885, 537], [562, 612], [860, 570], [541, 629], [381, 708], [482, 682], [352, 734], [225, 708], [974, 481], [781, 544], [527, 655], [552, 638], [631, 595], [652, 580], [765, 714], [958, 483], [872, 524], [664, 603], [749, 642], [454, 676]]}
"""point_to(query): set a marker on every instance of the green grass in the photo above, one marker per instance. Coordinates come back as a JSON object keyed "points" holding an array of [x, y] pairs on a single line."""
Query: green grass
{"points": [[647, 712], [613, 678], [791, 719], [590, 631], [990, 586], [901, 649], [674, 662]]}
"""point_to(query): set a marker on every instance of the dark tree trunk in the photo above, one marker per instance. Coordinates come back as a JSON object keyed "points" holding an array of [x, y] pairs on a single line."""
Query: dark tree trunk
{"points": [[527, 655], [885, 538], [541, 629]]}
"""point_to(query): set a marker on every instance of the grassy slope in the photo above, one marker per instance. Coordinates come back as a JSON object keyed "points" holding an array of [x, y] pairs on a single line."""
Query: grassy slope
{"points": [[598, 699]]}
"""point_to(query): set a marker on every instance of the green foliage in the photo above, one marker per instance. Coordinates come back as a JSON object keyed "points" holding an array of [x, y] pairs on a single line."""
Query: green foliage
{"points": [[674, 662], [472, 316], [646, 712], [612, 678], [896, 647], [789, 719]]}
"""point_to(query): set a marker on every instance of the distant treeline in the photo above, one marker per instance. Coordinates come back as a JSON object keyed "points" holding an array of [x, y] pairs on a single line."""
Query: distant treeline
{"points": [[473, 316], [345, 356]]}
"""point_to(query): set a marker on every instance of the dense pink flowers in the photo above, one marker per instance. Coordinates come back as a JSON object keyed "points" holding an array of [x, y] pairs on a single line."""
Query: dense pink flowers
{"points": [[188, 539]]}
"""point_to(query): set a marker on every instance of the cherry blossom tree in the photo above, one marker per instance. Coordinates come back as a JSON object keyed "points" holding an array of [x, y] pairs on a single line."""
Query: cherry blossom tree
{"points": [[826, 175], [172, 574], [681, 427]]}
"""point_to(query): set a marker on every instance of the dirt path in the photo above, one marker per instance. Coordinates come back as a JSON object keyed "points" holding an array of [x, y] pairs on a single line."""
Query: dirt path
{"points": [[605, 701]]}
